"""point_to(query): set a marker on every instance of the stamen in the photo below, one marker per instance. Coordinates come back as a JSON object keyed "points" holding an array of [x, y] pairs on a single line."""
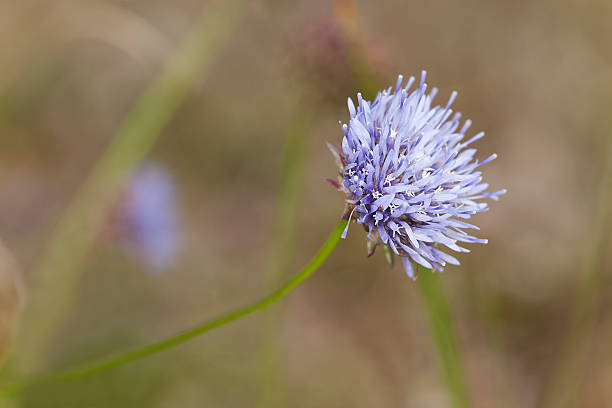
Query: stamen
{"points": [[389, 179]]}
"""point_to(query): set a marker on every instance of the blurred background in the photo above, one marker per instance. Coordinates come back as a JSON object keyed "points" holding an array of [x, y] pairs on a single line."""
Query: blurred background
{"points": [[230, 200]]}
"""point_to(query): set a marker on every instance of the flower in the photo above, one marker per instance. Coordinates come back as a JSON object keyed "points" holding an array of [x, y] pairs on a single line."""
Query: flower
{"points": [[146, 218], [409, 177], [324, 54], [321, 56]]}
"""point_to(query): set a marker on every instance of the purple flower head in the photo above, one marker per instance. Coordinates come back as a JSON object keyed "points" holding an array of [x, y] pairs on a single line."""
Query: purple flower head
{"points": [[150, 215], [409, 177]]}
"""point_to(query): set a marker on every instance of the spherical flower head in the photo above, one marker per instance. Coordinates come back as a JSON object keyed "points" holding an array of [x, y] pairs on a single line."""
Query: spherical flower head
{"points": [[410, 177]]}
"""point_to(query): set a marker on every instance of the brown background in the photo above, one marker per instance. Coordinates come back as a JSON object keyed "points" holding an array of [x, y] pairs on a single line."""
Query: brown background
{"points": [[536, 76]]}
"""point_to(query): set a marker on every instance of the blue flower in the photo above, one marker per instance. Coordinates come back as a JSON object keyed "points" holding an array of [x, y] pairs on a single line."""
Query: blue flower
{"points": [[150, 216], [409, 177]]}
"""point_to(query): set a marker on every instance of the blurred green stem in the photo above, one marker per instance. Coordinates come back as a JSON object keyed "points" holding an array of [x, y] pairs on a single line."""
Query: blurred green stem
{"points": [[433, 295], [57, 275], [441, 325], [270, 373], [567, 379], [154, 348]]}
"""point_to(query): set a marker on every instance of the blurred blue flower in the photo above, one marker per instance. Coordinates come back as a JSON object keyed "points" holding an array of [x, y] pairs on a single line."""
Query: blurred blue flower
{"points": [[150, 216], [409, 176]]}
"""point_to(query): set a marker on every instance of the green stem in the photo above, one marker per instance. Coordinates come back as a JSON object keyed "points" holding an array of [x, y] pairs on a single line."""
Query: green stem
{"points": [[272, 387], [442, 330], [154, 348]]}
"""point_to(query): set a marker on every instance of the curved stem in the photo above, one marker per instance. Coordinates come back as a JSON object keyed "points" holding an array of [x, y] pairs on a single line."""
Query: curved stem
{"points": [[159, 346], [442, 330]]}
